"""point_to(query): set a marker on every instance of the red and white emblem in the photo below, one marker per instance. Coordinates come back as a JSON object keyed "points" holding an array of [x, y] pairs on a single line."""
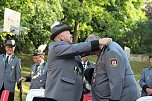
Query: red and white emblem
{"points": [[114, 62]]}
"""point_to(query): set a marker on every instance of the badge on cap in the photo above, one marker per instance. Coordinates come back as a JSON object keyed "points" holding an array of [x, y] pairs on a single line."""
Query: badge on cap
{"points": [[13, 42], [114, 62]]}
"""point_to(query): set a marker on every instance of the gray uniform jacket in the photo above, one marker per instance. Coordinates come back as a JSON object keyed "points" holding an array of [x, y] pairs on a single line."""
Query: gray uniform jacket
{"points": [[11, 73], [38, 76], [146, 80], [114, 78], [64, 78]]}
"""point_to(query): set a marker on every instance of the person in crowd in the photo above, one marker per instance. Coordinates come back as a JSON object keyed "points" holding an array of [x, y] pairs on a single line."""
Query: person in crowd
{"points": [[87, 64], [65, 71], [10, 69], [113, 78], [38, 73], [146, 79]]}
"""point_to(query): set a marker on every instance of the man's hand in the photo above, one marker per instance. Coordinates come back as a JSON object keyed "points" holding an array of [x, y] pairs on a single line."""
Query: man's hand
{"points": [[22, 79], [149, 91], [105, 41]]}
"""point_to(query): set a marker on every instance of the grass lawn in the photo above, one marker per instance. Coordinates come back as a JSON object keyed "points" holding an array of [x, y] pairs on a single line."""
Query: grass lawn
{"points": [[137, 68], [27, 61]]}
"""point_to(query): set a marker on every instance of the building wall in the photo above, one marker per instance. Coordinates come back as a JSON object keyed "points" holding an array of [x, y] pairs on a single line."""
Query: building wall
{"points": [[138, 57]]}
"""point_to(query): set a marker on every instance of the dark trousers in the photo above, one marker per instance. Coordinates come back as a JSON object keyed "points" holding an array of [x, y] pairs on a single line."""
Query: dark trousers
{"points": [[81, 98], [11, 94], [43, 99]]}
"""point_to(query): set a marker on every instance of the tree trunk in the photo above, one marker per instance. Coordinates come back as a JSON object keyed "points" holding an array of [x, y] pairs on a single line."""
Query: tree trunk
{"points": [[75, 36]]}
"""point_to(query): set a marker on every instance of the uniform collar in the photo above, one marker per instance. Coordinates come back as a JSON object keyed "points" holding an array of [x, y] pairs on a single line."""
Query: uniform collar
{"points": [[10, 56], [42, 62]]}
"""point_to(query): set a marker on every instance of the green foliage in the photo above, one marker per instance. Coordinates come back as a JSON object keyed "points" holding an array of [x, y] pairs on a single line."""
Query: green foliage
{"points": [[141, 35], [113, 18], [3, 37], [37, 16], [77, 13], [120, 20], [123, 20]]}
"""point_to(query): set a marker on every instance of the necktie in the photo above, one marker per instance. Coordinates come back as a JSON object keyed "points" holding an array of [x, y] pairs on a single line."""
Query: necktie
{"points": [[37, 69], [84, 65], [6, 61]]}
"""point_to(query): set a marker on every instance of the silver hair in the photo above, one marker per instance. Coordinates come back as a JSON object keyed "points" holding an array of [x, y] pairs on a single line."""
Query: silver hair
{"points": [[92, 37]]}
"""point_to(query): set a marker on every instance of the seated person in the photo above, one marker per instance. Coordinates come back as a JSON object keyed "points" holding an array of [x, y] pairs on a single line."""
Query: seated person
{"points": [[146, 79]]}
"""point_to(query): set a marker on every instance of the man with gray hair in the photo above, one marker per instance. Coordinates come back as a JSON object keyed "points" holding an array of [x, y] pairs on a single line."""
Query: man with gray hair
{"points": [[65, 71], [113, 78]]}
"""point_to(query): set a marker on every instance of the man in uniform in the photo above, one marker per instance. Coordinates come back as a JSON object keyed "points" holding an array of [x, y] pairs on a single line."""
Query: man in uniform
{"points": [[64, 78], [146, 80], [10, 69], [38, 71], [87, 64], [38, 75], [113, 78]]}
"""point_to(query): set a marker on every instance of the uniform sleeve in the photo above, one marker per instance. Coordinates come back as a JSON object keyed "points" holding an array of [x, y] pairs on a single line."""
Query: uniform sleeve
{"points": [[142, 81], [64, 50], [115, 68], [18, 70]]}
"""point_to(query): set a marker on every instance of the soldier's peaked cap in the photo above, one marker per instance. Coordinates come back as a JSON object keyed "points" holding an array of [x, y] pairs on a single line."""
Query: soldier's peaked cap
{"points": [[40, 50], [37, 52], [10, 43], [58, 29]]}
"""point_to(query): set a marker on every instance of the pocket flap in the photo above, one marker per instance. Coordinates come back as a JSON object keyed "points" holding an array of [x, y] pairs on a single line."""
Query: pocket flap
{"points": [[69, 80]]}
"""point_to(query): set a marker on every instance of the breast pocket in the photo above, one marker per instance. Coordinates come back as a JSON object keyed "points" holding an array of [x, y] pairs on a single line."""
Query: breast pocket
{"points": [[66, 85], [68, 80]]}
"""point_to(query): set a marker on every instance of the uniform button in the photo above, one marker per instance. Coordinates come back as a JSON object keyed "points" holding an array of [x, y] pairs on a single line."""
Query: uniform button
{"points": [[40, 80]]}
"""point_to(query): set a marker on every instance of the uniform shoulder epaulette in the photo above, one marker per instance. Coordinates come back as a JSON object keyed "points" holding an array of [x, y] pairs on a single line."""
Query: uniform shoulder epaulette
{"points": [[146, 67], [13, 56], [2, 55], [59, 43], [44, 63], [107, 48], [33, 65]]}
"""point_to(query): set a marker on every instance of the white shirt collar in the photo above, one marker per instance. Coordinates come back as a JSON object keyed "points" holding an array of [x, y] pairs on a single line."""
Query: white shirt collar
{"points": [[84, 64], [42, 62], [9, 56]]}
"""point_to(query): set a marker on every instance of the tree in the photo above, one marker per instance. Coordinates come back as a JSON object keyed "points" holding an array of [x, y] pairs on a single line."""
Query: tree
{"points": [[112, 18], [139, 37], [119, 19], [37, 15], [76, 13]]}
